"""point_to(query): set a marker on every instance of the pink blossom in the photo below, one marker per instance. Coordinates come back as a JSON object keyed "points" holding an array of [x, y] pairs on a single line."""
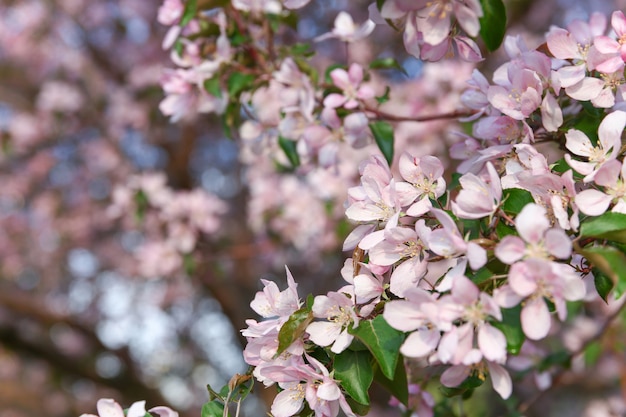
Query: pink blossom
{"points": [[418, 313], [537, 240], [615, 49], [611, 176], [170, 12], [424, 182], [338, 309], [478, 198], [520, 96], [434, 20], [350, 82], [110, 408], [375, 200], [500, 378], [271, 302], [402, 243], [346, 30], [609, 144], [533, 280], [447, 241], [311, 382], [467, 303]]}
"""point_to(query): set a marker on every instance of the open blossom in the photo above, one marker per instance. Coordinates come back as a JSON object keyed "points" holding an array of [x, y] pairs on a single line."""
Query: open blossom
{"points": [[520, 95], [447, 241], [406, 245], [478, 198], [611, 176], [110, 408], [271, 302], [338, 309], [537, 240], [346, 30], [420, 314], [534, 280], [614, 48], [424, 182], [375, 200], [170, 12], [311, 382], [353, 91], [500, 378], [474, 308], [609, 144]]}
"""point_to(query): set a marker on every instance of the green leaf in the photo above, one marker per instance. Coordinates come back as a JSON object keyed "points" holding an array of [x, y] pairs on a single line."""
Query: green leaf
{"points": [[515, 199], [238, 81], [212, 409], [482, 275], [293, 329], [503, 229], [387, 63], [493, 23], [189, 13], [383, 341], [379, 4], [559, 358], [213, 87], [609, 226], [396, 386], [385, 97], [611, 262], [592, 354], [603, 284], [511, 327], [560, 166], [383, 134], [358, 408], [354, 371], [303, 49], [289, 147]]}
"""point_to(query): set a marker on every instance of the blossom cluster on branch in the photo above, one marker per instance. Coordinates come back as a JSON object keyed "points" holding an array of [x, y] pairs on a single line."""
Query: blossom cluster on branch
{"points": [[454, 276]]}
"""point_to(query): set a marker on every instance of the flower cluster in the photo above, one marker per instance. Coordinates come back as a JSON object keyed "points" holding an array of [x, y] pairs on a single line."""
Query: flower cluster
{"points": [[441, 262], [179, 218], [457, 270]]}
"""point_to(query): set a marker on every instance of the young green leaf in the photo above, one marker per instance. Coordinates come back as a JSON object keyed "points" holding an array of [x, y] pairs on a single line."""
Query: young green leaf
{"points": [[189, 13], [609, 226], [290, 148], [213, 87], [293, 329], [238, 82], [383, 134], [603, 284], [354, 371], [396, 386], [383, 341], [610, 261], [511, 326], [212, 409], [515, 199], [493, 23]]}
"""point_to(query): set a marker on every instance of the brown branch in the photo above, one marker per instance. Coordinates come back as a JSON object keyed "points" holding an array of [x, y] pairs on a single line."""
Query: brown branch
{"points": [[381, 115]]}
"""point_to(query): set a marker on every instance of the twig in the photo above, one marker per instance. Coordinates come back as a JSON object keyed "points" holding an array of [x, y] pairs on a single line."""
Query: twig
{"points": [[381, 115]]}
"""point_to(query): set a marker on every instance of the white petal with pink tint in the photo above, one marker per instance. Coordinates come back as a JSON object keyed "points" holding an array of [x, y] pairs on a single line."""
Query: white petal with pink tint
{"points": [[536, 319]]}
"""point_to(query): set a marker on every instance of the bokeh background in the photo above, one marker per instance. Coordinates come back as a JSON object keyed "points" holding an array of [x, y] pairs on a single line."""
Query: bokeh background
{"points": [[93, 302]]}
